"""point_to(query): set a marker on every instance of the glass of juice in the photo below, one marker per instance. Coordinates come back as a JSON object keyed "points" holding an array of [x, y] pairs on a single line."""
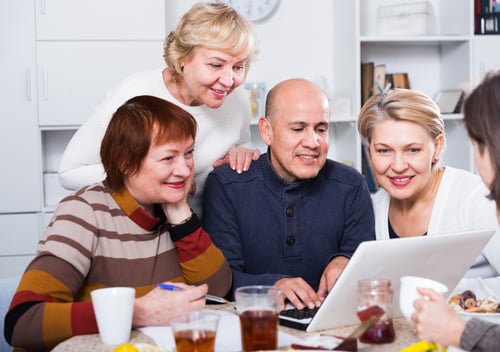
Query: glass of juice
{"points": [[375, 299], [258, 308], [195, 331]]}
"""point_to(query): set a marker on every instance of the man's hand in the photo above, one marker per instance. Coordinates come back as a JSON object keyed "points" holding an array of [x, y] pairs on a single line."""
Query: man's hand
{"points": [[239, 158], [298, 292], [331, 274]]}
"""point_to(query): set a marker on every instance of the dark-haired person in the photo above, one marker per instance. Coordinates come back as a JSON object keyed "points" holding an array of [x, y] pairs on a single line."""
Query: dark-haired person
{"points": [[295, 218], [434, 318], [134, 229]]}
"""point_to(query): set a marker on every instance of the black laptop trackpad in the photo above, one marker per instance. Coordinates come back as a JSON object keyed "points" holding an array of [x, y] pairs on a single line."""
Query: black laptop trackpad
{"points": [[297, 318]]}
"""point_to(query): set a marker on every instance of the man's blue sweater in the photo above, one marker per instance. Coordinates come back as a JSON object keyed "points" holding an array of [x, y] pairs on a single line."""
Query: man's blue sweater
{"points": [[269, 228]]}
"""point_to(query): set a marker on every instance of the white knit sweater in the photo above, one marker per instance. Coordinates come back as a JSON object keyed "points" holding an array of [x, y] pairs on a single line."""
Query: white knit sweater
{"points": [[218, 131]]}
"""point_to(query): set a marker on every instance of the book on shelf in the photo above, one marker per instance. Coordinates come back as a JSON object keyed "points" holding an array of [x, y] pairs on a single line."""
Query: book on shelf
{"points": [[379, 80], [485, 8], [375, 78], [389, 80], [487, 16], [400, 80], [367, 72], [495, 5], [488, 6], [478, 5], [367, 169], [489, 23]]}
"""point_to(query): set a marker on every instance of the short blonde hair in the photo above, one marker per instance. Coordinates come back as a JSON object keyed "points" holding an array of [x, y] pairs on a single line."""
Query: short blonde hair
{"points": [[212, 25], [400, 105]]}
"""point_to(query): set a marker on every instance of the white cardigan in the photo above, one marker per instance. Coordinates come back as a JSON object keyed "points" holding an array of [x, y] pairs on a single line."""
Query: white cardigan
{"points": [[460, 205]]}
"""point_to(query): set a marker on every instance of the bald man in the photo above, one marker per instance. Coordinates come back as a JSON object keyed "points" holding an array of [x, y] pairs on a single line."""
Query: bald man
{"points": [[295, 218]]}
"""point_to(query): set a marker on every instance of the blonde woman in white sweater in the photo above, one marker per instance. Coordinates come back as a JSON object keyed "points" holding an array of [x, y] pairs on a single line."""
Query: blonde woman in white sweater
{"points": [[208, 58]]}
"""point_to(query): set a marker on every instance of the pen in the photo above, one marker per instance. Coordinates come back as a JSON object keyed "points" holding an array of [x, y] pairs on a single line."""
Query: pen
{"points": [[209, 298]]}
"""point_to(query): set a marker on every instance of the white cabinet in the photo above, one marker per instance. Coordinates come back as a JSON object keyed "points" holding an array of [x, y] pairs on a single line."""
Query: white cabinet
{"points": [[19, 138], [84, 49], [73, 76], [20, 184], [57, 60], [435, 51], [100, 20], [18, 238]]}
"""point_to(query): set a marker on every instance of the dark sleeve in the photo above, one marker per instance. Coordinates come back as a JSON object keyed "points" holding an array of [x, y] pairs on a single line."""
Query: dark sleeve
{"points": [[359, 220], [480, 335], [220, 220]]}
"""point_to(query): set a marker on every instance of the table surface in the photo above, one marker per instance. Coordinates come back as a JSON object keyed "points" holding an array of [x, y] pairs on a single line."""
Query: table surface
{"points": [[405, 336]]}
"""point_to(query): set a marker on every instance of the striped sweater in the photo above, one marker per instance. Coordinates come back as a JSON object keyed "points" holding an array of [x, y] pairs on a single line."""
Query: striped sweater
{"points": [[97, 239]]}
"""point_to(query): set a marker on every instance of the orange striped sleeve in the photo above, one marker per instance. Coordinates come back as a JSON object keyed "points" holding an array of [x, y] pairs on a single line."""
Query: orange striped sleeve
{"points": [[193, 245], [210, 261]]}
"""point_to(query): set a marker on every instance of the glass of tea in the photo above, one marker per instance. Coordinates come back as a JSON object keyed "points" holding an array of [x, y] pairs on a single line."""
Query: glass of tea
{"points": [[258, 308], [375, 299], [195, 331]]}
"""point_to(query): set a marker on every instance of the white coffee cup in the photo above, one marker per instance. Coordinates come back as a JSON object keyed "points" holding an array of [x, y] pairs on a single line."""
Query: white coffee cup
{"points": [[408, 292], [114, 309]]}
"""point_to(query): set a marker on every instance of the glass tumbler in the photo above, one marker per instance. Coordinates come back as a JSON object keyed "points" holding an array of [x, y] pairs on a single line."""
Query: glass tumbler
{"points": [[375, 297]]}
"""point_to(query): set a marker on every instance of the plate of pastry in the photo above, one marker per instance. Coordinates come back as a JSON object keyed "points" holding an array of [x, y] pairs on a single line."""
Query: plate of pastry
{"points": [[468, 305]]}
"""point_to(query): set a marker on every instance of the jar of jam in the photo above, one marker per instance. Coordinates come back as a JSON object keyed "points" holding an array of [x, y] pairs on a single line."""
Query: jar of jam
{"points": [[375, 298]]}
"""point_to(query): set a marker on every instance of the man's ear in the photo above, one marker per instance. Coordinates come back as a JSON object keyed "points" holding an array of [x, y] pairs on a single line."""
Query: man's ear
{"points": [[266, 130]]}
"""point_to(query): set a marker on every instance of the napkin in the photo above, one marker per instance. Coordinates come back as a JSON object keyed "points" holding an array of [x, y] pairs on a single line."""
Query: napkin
{"points": [[228, 336], [320, 341]]}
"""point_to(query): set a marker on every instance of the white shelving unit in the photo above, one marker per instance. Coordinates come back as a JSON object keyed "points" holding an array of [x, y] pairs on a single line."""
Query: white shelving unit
{"points": [[439, 57]]}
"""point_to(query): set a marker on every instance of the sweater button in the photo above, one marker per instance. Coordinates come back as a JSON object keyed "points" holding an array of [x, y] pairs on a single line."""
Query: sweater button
{"points": [[289, 212], [290, 240]]}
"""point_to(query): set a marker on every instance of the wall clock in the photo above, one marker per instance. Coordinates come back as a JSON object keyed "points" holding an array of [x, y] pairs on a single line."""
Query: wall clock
{"points": [[254, 10]]}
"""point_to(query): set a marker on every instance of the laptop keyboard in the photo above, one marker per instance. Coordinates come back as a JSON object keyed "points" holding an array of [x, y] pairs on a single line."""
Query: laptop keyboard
{"points": [[297, 318]]}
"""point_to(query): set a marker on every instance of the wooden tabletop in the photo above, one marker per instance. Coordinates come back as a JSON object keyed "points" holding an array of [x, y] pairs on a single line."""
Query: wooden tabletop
{"points": [[405, 336]]}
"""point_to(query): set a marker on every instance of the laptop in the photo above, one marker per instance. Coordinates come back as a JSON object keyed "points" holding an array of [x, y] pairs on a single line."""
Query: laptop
{"points": [[444, 258]]}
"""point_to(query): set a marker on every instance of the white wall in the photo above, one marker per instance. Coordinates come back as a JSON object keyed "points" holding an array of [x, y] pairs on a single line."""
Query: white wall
{"points": [[295, 42]]}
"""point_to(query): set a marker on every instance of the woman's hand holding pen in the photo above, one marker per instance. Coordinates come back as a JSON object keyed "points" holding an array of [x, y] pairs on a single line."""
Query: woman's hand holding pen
{"points": [[210, 298], [158, 305]]}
